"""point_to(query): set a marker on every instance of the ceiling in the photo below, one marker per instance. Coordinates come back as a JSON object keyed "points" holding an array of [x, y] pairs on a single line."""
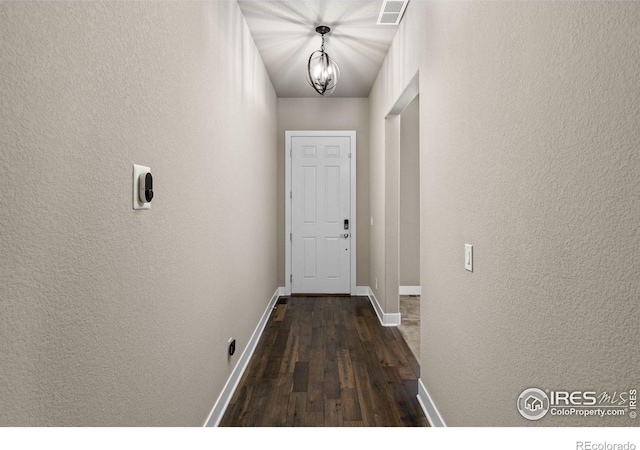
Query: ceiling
{"points": [[284, 32]]}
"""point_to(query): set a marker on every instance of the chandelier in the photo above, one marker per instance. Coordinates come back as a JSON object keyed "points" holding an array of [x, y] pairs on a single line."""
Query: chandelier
{"points": [[322, 71]]}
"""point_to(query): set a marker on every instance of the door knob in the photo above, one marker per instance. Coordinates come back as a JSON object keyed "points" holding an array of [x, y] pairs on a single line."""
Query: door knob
{"points": [[346, 235]]}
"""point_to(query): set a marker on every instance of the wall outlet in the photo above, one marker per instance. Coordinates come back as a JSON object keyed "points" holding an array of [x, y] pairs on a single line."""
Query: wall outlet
{"points": [[232, 346]]}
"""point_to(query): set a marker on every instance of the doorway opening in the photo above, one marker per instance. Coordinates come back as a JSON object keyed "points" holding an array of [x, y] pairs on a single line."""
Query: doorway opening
{"points": [[409, 247], [402, 210]]}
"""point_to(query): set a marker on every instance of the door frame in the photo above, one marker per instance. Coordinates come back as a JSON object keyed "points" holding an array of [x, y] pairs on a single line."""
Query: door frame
{"points": [[287, 200], [392, 200]]}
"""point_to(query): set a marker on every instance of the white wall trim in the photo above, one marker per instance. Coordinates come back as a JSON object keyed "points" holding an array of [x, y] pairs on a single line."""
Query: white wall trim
{"points": [[408, 94], [429, 408], [287, 202], [386, 319], [362, 291], [215, 416], [410, 290]]}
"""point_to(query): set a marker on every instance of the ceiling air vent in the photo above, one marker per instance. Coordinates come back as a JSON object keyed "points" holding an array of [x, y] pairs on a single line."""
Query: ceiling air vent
{"points": [[391, 12]]}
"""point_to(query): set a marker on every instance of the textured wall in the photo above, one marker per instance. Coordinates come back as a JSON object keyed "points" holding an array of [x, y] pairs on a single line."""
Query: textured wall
{"points": [[110, 316], [410, 195], [376, 193], [329, 114], [529, 151]]}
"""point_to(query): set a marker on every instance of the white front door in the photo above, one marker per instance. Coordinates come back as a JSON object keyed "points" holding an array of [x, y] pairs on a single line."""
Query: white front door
{"points": [[321, 225]]}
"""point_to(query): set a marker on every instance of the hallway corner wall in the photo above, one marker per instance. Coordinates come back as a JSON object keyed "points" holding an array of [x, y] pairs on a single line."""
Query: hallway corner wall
{"points": [[110, 316]]}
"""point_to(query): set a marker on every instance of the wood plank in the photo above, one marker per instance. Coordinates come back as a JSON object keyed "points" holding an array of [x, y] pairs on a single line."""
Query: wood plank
{"points": [[272, 369], [331, 380], [330, 348], [297, 409], [345, 370], [366, 395], [291, 356], [385, 355], [314, 419], [354, 345], [333, 413], [277, 350], [255, 416], [341, 339], [317, 339], [317, 316], [258, 363], [349, 316], [384, 399], [316, 366], [235, 408], [407, 406], [362, 328], [301, 377], [353, 423], [315, 397], [350, 405], [304, 344], [401, 405], [414, 365], [276, 407], [279, 313]]}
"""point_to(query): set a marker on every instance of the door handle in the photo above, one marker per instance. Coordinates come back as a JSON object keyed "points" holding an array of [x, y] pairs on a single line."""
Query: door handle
{"points": [[346, 235]]}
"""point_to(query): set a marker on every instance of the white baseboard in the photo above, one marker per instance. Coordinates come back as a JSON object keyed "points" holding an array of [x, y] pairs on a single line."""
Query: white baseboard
{"points": [[386, 319], [362, 291], [429, 408], [410, 290], [236, 374]]}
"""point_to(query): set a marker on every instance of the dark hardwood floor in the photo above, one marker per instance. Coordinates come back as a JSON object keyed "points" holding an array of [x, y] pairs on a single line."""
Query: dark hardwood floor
{"points": [[327, 361]]}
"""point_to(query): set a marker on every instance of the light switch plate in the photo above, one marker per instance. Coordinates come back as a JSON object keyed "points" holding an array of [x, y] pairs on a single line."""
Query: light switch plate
{"points": [[137, 170], [468, 257]]}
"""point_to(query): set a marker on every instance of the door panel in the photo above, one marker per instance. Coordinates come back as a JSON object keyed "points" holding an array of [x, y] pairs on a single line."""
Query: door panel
{"points": [[332, 187], [309, 197], [321, 202], [309, 249], [333, 258]]}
